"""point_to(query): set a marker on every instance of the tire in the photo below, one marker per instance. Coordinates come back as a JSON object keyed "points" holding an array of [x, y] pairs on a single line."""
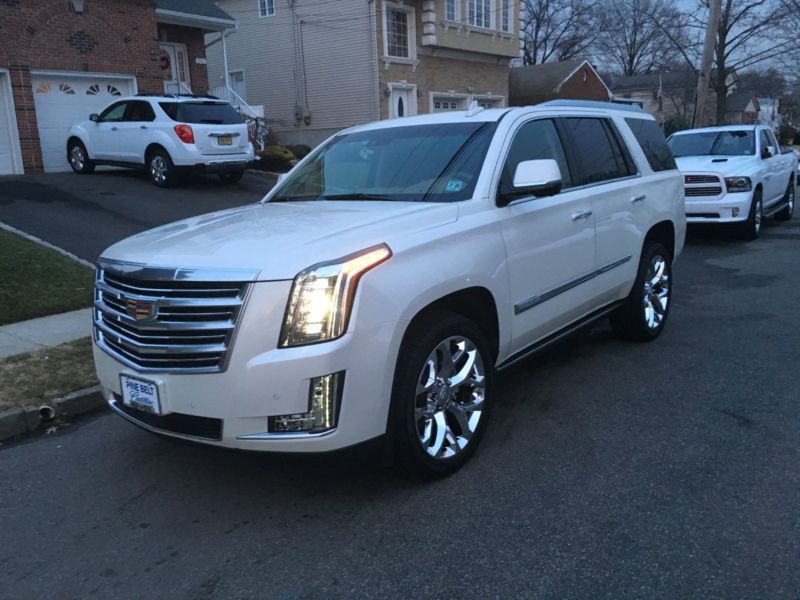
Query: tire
{"points": [[644, 314], [785, 214], [231, 178], [436, 427], [78, 158], [751, 228], [161, 169]]}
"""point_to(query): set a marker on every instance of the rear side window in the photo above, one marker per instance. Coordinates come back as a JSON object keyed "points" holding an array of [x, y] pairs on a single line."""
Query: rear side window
{"points": [[212, 113], [653, 144], [600, 154], [139, 110], [534, 141]]}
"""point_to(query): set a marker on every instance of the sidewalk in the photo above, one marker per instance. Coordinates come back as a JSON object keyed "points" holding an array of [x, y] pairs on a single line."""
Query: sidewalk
{"points": [[35, 334]]}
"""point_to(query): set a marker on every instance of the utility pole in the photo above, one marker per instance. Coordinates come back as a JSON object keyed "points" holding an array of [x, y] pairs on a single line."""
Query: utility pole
{"points": [[704, 76]]}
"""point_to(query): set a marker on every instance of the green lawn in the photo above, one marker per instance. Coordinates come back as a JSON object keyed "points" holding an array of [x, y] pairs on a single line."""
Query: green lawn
{"points": [[36, 281], [42, 376]]}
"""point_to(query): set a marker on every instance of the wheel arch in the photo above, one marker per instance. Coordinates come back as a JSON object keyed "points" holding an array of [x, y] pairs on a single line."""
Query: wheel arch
{"points": [[663, 233], [152, 147]]}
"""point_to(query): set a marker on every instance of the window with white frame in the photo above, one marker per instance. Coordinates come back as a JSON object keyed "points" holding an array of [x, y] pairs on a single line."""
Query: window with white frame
{"points": [[266, 8], [505, 16], [400, 36], [480, 13], [489, 101], [452, 9], [442, 102]]}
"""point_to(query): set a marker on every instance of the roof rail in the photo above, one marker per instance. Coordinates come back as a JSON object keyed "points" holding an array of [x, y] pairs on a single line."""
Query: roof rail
{"points": [[178, 96], [591, 104]]}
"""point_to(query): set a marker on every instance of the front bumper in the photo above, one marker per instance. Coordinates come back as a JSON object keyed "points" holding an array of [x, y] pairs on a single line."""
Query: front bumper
{"points": [[732, 207], [232, 408]]}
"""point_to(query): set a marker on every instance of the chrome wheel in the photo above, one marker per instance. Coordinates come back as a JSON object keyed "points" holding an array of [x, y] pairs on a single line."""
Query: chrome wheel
{"points": [[449, 397], [656, 292], [77, 159], [757, 216], [158, 168]]}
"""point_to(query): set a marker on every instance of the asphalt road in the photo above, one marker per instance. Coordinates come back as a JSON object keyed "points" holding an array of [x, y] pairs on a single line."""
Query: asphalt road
{"points": [[610, 469], [87, 213]]}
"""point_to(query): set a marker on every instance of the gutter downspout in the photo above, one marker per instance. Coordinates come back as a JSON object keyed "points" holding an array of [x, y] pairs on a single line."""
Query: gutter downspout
{"points": [[225, 59]]}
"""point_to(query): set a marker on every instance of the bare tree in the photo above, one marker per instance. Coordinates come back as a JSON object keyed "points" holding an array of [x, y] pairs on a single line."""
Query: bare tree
{"points": [[639, 36], [558, 29]]}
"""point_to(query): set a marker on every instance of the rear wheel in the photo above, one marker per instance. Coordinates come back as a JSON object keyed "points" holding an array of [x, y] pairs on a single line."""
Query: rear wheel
{"points": [[160, 168], [233, 177], [78, 158], [644, 314], [751, 228], [442, 393], [786, 212]]}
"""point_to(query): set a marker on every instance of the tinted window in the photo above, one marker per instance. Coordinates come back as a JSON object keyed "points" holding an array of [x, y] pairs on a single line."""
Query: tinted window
{"points": [[653, 144], [599, 153], [534, 141], [115, 112], [140, 111], [727, 143], [772, 140], [433, 163], [214, 113]]}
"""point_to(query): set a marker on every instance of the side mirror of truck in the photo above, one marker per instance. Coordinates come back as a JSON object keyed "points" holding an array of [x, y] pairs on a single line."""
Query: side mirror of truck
{"points": [[767, 152], [532, 178], [94, 117]]}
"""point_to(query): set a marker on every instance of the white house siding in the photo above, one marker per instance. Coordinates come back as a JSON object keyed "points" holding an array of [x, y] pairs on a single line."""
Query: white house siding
{"points": [[340, 64]]}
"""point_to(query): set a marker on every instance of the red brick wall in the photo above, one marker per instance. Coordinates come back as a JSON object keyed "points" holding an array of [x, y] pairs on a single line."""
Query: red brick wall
{"points": [[195, 48], [112, 36]]}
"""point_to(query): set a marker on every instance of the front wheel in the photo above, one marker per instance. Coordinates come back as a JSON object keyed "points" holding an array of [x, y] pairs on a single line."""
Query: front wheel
{"points": [[160, 168], [643, 315], [785, 214], [751, 228], [441, 396], [78, 158]]}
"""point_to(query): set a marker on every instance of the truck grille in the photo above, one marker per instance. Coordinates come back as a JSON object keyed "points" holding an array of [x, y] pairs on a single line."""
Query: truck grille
{"points": [[165, 319], [698, 185]]}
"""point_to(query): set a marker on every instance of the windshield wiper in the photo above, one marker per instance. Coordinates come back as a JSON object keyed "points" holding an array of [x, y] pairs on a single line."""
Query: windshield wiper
{"points": [[355, 196]]}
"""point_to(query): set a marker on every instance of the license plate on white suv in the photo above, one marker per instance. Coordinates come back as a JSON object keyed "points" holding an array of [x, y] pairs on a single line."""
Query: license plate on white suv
{"points": [[225, 140], [140, 394]]}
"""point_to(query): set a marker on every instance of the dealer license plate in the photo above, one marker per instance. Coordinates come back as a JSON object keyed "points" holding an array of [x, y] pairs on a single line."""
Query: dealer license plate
{"points": [[225, 140], [140, 394]]}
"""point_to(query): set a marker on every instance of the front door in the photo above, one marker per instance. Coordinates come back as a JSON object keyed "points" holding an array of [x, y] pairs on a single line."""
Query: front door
{"points": [[236, 79], [402, 100], [105, 132], [549, 242], [174, 66]]}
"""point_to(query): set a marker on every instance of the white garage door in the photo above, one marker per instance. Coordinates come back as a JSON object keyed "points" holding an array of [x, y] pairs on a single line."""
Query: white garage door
{"points": [[63, 100], [7, 143]]}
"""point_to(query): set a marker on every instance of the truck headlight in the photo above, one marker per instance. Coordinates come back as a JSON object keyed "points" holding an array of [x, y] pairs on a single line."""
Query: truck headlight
{"points": [[738, 184], [322, 297]]}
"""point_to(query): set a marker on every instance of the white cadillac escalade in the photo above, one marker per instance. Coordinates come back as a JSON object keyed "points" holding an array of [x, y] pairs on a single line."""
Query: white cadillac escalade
{"points": [[736, 174], [376, 290]]}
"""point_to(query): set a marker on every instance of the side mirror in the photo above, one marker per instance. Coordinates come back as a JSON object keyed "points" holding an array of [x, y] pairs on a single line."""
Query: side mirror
{"points": [[766, 152], [94, 117], [532, 178]]}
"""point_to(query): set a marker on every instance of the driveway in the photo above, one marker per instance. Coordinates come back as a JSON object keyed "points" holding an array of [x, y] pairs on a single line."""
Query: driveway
{"points": [[85, 214], [608, 470]]}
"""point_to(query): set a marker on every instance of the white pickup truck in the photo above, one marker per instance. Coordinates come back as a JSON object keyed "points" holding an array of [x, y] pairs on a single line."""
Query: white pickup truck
{"points": [[377, 288], [735, 174]]}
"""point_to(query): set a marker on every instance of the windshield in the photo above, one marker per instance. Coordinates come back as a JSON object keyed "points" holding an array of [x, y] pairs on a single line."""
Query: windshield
{"points": [[211, 113], [416, 163], [714, 143]]}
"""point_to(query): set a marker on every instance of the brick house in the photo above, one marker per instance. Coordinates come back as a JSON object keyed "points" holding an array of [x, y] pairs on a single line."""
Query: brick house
{"points": [[61, 60], [566, 79], [339, 63]]}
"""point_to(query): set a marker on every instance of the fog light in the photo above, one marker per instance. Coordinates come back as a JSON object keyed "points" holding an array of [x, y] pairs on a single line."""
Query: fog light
{"points": [[323, 399], [734, 212]]}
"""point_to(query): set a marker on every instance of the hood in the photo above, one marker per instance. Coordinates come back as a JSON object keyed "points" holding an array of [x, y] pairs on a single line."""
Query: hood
{"points": [[279, 239], [727, 166]]}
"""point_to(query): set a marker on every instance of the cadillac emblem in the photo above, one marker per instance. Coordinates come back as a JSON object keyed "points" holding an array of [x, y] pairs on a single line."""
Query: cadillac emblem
{"points": [[140, 309]]}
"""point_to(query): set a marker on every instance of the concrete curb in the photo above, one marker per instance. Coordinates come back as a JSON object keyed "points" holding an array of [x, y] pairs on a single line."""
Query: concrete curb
{"points": [[48, 245], [16, 422]]}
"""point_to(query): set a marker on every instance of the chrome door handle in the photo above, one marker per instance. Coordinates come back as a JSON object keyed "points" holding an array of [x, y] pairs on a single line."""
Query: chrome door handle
{"points": [[637, 199], [580, 216]]}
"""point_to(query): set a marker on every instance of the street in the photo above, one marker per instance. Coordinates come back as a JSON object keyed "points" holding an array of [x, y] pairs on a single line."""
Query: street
{"points": [[609, 469]]}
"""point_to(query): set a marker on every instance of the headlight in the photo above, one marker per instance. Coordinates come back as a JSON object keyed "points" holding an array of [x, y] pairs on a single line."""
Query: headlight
{"points": [[322, 296], [738, 184]]}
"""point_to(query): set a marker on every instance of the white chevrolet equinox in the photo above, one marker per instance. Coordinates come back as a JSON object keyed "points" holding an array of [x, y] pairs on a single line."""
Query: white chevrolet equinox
{"points": [[376, 290]]}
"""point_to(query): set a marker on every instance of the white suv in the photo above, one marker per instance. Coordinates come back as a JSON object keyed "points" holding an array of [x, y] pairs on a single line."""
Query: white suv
{"points": [[376, 289], [166, 135]]}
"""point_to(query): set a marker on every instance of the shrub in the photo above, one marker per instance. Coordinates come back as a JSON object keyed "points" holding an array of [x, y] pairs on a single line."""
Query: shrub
{"points": [[276, 158], [300, 150]]}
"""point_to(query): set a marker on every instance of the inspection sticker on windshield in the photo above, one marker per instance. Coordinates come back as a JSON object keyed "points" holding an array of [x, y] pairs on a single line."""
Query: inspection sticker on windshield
{"points": [[140, 394], [454, 185]]}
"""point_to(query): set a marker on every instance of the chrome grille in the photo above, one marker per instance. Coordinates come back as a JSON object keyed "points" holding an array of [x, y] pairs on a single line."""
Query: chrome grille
{"points": [[156, 319], [700, 179], [704, 191], [697, 185]]}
